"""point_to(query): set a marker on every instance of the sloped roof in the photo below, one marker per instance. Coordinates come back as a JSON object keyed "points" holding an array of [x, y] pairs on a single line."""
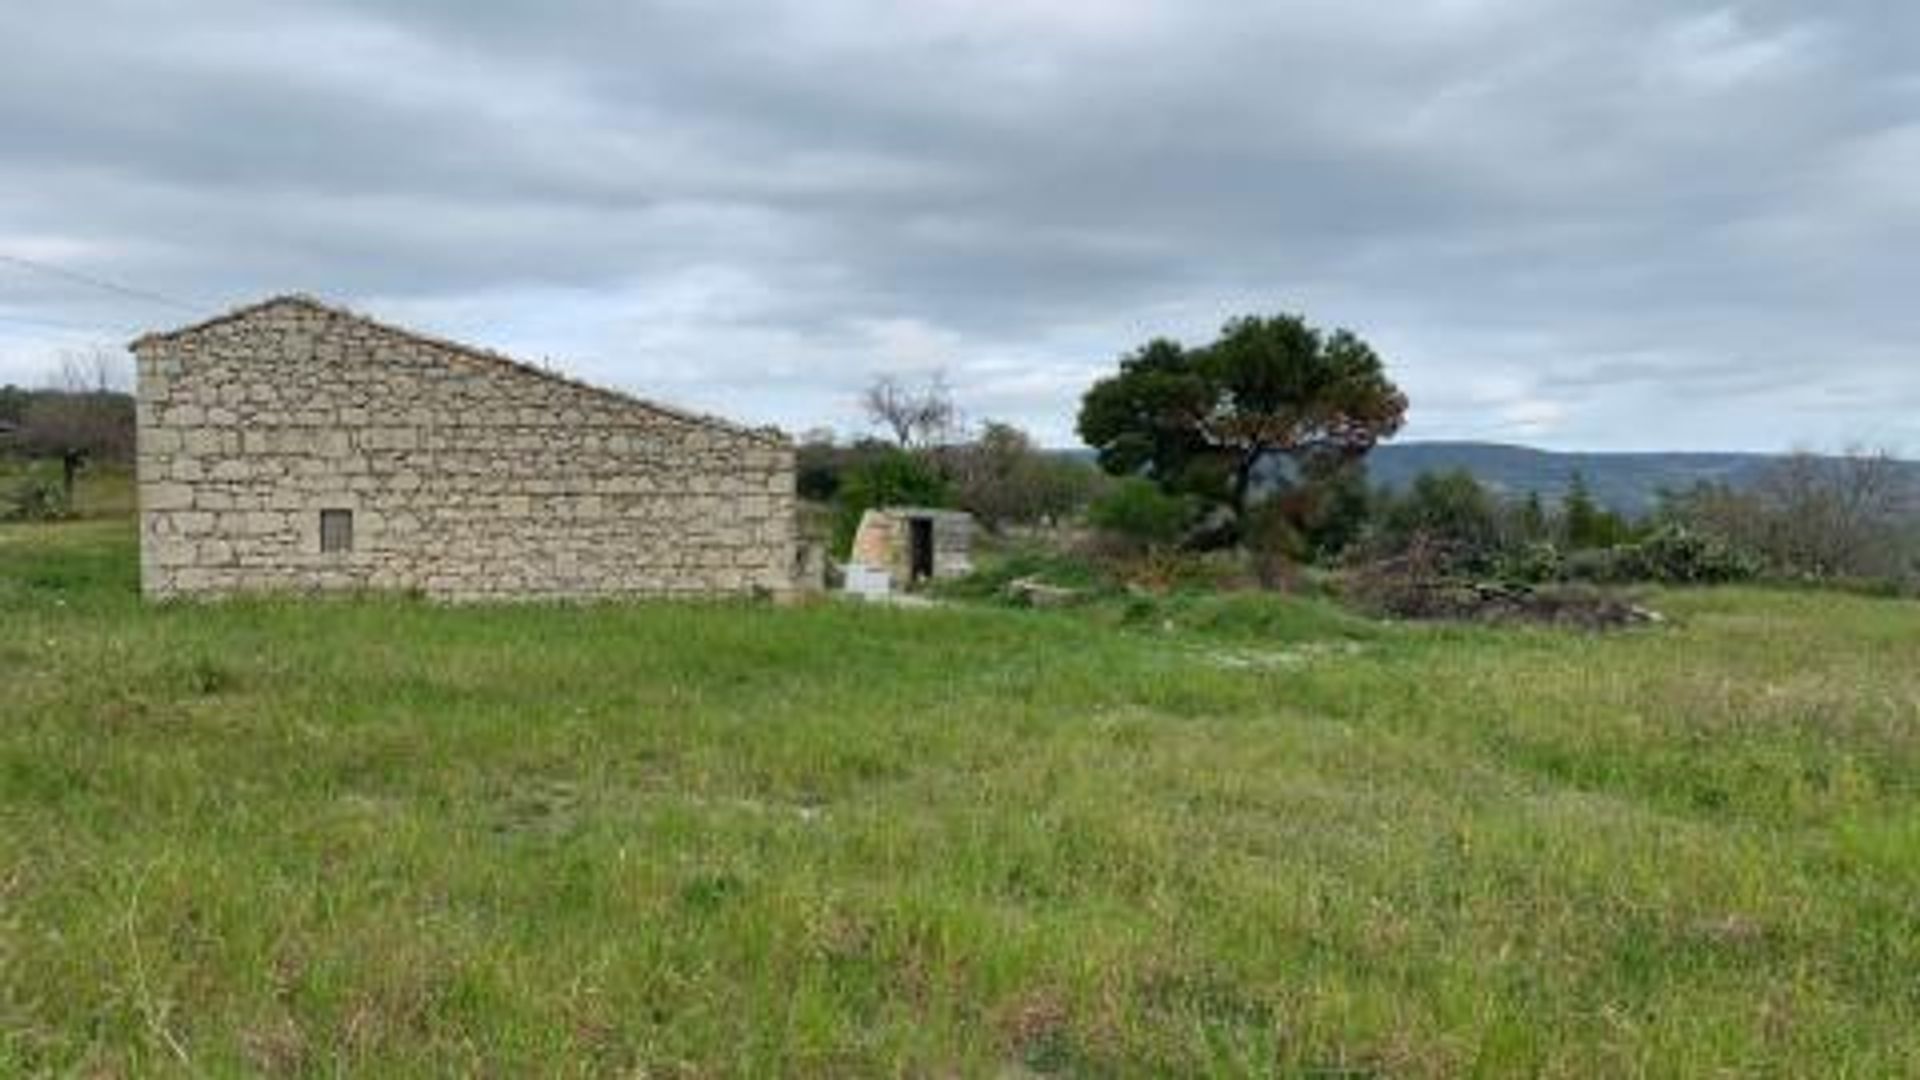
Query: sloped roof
{"points": [[770, 435]]}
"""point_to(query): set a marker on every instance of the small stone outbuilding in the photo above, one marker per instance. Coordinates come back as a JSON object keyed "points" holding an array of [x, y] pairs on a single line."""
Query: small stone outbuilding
{"points": [[914, 544], [291, 445]]}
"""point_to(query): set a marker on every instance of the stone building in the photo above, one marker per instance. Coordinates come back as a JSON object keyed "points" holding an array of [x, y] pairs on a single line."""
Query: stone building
{"points": [[290, 445], [914, 544]]}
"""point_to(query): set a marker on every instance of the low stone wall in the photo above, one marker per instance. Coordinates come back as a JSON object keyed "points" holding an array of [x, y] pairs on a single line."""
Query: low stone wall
{"points": [[467, 475]]}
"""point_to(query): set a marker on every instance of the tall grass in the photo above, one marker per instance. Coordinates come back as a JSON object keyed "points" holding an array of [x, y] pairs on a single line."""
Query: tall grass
{"points": [[1226, 836]]}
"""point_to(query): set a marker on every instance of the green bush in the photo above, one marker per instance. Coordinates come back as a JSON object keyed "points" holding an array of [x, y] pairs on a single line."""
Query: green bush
{"points": [[1448, 513], [1275, 545], [1672, 555], [1680, 556], [1139, 515], [36, 498], [1533, 564], [892, 477]]}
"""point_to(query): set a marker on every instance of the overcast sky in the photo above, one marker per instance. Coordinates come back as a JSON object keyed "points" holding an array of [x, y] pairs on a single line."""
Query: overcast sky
{"points": [[1597, 224]]}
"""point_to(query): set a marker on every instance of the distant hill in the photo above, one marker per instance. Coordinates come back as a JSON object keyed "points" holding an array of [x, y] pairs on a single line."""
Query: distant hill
{"points": [[1628, 482]]}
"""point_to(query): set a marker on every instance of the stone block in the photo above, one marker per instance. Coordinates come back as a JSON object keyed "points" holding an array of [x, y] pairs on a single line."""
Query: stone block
{"points": [[264, 522], [165, 496]]}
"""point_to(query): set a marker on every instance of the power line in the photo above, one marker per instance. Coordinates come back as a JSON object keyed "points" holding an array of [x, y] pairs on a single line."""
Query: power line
{"points": [[56, 324], [123, 290]]}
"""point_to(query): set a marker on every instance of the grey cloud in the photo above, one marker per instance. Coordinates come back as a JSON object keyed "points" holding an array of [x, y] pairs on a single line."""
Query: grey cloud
{"points": [[1584, 224]]}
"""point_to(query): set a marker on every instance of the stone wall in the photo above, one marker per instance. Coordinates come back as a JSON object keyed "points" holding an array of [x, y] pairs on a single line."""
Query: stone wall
{"points": [[469, 476]]}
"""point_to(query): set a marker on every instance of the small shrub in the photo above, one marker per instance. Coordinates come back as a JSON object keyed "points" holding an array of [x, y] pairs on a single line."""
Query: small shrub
{"points": [[1678, 555], [1135, 514], [1673, 555], [1275, 546], [1534, 563], [36, 498]]}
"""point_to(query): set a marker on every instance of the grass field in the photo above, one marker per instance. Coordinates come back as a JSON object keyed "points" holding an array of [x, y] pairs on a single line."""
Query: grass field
{"points": [[1228, 836]]}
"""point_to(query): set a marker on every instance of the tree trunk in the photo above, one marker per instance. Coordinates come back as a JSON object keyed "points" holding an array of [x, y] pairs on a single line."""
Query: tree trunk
{"points": [[69, 469], [1242, 486]]}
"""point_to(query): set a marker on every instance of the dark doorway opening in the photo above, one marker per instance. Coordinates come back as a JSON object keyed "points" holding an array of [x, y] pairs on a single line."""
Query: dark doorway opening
{"points": [[920, 549]]}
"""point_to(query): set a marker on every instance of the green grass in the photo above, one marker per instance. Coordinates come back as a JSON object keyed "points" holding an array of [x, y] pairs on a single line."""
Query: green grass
{"points": [[1226, 836]]}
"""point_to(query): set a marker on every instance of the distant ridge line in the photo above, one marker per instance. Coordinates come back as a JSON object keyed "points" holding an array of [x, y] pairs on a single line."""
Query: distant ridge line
{"points": [[1626, 480]]}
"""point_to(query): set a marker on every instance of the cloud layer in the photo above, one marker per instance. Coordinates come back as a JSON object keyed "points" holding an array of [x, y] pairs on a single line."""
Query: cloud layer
{"points": [[1650, 223]]}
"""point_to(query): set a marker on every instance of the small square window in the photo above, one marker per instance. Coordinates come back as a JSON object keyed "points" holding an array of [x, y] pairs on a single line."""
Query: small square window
{"points": [[336, 530]]}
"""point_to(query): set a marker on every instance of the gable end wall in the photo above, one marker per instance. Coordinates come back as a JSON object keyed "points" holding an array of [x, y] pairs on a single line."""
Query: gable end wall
{"points": [[468, 477]]}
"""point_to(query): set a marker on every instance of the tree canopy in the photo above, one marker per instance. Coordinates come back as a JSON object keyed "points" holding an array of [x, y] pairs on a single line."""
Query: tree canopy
{"points": [[1207, 421]]}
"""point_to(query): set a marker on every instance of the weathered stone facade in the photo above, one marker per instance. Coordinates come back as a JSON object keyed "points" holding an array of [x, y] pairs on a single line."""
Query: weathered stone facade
{"points": [[466, 475], [885, 541]]}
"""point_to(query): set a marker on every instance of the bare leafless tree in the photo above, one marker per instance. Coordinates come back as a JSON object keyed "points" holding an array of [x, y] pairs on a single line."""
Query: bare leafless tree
{"points": [[916, 417], [1002, 478], [1850, 515], [1836, 516], [98, 370]]}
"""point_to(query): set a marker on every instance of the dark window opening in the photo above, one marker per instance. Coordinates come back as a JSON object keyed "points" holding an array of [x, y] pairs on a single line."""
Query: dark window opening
{"points": [[336, 530]]}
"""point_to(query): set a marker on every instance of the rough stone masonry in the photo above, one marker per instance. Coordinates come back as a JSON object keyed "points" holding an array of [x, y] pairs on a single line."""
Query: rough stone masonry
{"points": [[290, 445]]}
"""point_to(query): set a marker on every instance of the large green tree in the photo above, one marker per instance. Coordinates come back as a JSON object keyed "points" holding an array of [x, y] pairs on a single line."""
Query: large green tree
{"points": [[1208, 421]]}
